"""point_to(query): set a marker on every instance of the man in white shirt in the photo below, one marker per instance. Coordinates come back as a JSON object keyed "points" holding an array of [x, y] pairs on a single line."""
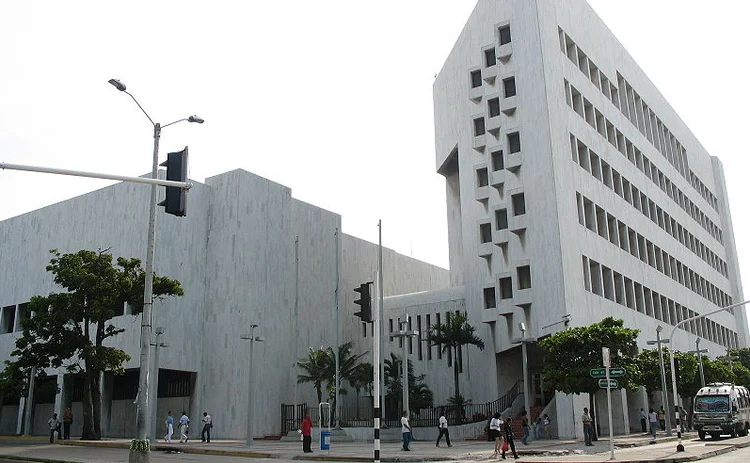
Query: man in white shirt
{"points": [[405, 431], [443, 427], [207, 425]]}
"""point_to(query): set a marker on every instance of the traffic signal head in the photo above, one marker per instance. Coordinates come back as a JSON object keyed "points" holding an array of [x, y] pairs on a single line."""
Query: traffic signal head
{"points": [[175, 202], [365, 302]]}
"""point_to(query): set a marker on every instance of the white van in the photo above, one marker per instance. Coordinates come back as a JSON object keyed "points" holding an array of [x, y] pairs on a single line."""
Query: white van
{"points": [[722, 408]]}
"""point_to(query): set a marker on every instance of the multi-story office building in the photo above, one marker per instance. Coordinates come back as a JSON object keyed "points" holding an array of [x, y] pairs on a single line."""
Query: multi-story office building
{"points": [[574, 188]]}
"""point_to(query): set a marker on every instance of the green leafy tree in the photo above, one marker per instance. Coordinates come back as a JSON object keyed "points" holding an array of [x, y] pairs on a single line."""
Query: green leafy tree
{"points": [[316, 370], [649, 375], [70, 328], [451, 336], [569, 356], [362, 378]]}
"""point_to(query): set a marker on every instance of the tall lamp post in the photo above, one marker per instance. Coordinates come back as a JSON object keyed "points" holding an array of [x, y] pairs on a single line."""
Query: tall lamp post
{"points": [[404, 333], [698, 351], [250, 390], [525, 364], [680, 447], [158, 331], [143, 414], [659, 341]]}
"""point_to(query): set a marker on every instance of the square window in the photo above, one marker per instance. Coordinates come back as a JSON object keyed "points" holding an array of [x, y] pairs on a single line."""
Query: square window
{"points": [[504, 32], [489, 298], [479, 126], [509, 87], [506, 288], [482, 177], [485, 232], [501, 219], [476, 78], [524, 277], [497, 160], [494, 107], [489, 57], [519, 204], [514, 141]]}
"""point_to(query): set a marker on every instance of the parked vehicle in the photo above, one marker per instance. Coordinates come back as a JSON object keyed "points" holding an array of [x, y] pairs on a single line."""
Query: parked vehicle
{"points": [[722, 408]]}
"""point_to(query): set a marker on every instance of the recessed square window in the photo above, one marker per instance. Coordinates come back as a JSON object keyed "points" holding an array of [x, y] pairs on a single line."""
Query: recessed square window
{"points": [[479, 126], [482, 177], [506, 288], [489, 57], [514, 142], [476, 78], [524, 277], [498, 163], [501, 219], [504, 32], [509, 87], [485, 232], [519, 204], [494, 107]]}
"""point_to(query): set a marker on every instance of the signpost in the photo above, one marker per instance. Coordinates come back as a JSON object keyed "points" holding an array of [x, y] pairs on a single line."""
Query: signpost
{"points": [[614, 372], [608, 382]]}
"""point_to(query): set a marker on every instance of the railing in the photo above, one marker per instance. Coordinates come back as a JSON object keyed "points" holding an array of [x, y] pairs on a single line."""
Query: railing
{"points": [[362, 416]]}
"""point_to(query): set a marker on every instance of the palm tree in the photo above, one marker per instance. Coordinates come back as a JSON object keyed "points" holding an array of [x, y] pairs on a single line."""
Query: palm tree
{"points": [[455, 333], [420, 396], [316, 368], [362, 378]]}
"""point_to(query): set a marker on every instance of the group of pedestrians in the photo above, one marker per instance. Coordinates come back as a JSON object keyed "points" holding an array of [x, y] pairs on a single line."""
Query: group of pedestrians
{"points": [[501, 432], [185, 425], [62, 428]]}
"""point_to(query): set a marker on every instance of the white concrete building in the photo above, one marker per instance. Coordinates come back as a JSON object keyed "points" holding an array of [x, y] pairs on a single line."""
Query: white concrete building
{"points": [[574, 188]]}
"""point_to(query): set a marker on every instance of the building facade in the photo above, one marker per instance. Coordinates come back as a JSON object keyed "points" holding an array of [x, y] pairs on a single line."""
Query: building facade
{"points": [[574, 189]]}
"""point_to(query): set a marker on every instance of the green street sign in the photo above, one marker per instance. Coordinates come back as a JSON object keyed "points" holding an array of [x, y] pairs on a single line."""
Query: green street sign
{"points": [[615, 372], [612, 383]]}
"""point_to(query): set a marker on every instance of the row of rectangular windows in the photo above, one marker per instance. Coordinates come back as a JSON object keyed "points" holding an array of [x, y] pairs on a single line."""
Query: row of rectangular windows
{"points": [[607, 130], [605, 282], [619, 234], [505, 286], [627, 101], [589, 161]]}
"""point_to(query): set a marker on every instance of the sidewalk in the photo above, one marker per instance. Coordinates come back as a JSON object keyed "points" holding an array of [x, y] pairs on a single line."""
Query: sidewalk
{"points": [[630, 448]]}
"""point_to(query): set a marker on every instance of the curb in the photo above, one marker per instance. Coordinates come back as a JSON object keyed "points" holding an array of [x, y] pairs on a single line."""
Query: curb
{"points": [[175, 449]]}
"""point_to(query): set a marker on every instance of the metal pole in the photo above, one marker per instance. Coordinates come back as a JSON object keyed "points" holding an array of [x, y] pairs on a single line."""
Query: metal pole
{"points": [[525, 365], [379, 294], [295, 371], [376, 373], [143, 410], [155, 388], [80, 173], [667, 423], [250, 388], [338, 330], [609, 413], [404, 366], [700, 362]]}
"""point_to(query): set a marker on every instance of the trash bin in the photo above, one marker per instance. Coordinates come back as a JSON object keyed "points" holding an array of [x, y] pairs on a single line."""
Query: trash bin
{"points": [[325, 440]]}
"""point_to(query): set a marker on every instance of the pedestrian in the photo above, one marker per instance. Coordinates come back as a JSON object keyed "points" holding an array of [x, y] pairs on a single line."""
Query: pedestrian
{"points": [[405, 431], [54, 426], [184, 425], [547, 426], [525, 427], [662, 419], [207, 425], [67, 421], [307, 433], [170, 427], [443, 430], [508, 431], [495, 433], [683, 419], [643, 421], [653, 421], [538, 427], [587, 428]]}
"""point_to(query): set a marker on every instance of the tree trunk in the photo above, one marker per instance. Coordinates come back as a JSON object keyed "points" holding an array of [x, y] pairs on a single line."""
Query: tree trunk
{"points": [[91, 395], [594, 419], [455, 373]]}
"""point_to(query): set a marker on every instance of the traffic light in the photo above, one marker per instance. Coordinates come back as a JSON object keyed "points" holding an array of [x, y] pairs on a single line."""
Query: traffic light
{"points": [[365, 302], [175, 202]]}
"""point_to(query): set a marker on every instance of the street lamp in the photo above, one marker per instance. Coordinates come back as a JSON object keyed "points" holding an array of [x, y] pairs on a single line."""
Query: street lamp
{"points": [[525, 363], [158, 331], [680, 447], [143, 414], [659, 341], [252, 338], [698, 351], [404, 333]]}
